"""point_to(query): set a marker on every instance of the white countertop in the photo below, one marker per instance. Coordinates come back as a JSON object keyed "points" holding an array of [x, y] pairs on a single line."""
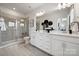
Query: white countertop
{"points": [[61, 33], [65, 34]]}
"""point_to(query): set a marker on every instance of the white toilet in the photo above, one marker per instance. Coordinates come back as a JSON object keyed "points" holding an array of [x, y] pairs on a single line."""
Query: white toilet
{"points": [[26, 39]]}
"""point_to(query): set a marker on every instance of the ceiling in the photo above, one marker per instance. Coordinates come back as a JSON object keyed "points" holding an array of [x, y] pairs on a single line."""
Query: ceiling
{"points": [[26, 8], [23, 8], [48, 7]]}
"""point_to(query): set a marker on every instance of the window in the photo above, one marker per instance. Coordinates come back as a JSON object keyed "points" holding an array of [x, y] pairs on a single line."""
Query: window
{"points": [[11, 24], [22, 24]]}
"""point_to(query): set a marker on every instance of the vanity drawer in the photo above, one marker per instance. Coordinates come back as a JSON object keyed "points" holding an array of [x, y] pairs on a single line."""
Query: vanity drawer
{"points": [[44, 47], [44, 39], [67, 38], [45, 44]]}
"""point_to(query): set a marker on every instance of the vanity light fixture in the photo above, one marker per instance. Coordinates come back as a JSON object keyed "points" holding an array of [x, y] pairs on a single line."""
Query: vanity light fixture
{"points": [[64, 5], [40, 13]]}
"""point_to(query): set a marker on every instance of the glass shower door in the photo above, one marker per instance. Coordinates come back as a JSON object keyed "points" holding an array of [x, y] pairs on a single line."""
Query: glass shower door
{"points": [[7, 31]]}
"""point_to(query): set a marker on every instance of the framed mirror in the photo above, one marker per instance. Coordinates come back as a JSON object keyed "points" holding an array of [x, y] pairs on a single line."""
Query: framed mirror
{"points": [[62, 24]]}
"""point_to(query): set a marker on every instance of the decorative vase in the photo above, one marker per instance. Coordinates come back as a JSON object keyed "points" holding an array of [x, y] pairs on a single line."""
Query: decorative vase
{"points": [[70, 31]]}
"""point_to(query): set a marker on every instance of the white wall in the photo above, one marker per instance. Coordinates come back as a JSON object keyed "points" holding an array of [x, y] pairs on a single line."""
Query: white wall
{"points": [[47, 7], [52, 14], [10, 13]]}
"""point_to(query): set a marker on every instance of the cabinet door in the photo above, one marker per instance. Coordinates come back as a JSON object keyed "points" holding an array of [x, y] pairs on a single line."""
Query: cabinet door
{"points": [[71, 49], [45, 43], [33, 38], [57, 48]]}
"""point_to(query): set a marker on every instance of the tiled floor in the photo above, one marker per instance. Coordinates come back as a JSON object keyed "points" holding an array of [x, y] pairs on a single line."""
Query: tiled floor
{"points": [[21, 50]]}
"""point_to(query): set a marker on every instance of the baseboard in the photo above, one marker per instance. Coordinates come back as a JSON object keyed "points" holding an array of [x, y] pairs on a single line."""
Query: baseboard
{"points": [[11, 43], [41, 50]]}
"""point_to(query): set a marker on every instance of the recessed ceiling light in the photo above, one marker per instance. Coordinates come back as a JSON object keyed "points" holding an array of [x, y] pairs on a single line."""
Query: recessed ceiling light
{"points": [[14, 8]]}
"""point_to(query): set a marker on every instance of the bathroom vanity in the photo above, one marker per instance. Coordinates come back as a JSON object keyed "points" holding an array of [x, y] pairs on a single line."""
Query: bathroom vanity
{"points": [[56, 43]]}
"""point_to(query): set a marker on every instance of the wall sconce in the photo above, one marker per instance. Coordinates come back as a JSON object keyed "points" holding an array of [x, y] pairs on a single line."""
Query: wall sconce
{"points": [[64, 5]]}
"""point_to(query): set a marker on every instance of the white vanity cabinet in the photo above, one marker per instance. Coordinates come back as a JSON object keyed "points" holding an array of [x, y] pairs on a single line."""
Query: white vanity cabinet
{"points": [[70, 49], [45, 42], [33, 38], [42, 41], [57, 46], [65, 45], [70, 45]]}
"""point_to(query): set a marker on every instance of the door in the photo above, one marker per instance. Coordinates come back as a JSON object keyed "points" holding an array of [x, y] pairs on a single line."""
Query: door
{"points": [[57, 47], [7, 31]]}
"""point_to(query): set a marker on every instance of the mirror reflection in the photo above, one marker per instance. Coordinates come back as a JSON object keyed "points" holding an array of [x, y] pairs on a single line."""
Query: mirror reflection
{"points": [[62, 24]]}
